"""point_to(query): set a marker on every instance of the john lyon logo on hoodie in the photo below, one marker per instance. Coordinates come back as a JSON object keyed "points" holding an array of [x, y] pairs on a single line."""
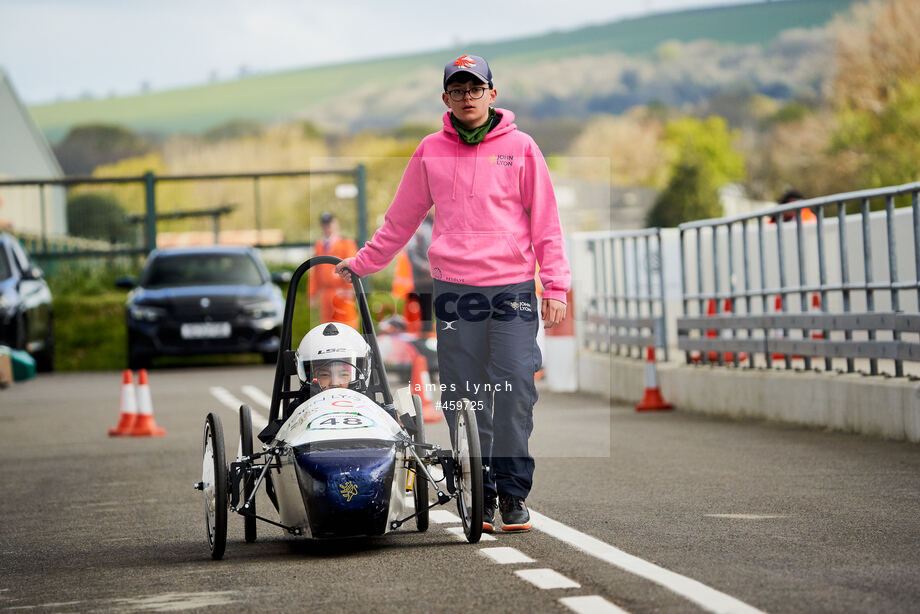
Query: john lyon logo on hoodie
{"points": [[501, 160]]}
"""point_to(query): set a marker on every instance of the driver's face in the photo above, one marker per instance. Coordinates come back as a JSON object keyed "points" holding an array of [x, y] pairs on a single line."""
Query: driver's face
{"points": [[333, 376]]}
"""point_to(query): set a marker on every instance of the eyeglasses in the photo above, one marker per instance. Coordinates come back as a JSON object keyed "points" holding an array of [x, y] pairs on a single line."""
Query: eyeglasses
{"points": [[475, 93]]}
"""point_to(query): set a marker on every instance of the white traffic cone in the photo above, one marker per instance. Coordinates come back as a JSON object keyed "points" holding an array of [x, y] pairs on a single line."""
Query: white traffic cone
{"points": [[127, 413], [145, 426]]}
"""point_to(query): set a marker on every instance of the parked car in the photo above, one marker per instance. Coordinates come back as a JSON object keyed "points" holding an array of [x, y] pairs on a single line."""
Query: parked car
{"points": [[26, 313], [213, 300]]}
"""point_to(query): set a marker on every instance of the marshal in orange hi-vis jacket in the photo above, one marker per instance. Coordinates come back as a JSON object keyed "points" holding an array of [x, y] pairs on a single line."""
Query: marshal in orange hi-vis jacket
{"points": [[336, 297]]}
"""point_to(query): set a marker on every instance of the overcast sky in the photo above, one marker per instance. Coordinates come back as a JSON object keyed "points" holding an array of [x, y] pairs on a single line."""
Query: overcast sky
{"points": [[64, 48]]}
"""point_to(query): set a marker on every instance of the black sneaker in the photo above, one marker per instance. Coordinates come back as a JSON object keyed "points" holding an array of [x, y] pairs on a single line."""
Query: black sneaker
{"points": [[515, 516], [488, 514]]}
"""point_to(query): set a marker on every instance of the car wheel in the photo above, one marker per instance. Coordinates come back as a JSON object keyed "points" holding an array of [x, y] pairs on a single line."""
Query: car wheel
{"points": [[137, 360], [45, 360], [20, 334]]}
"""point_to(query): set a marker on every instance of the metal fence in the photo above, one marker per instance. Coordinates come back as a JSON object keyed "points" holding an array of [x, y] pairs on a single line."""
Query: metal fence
{"points": [[623, 291], [775, 287], [47, 246]]}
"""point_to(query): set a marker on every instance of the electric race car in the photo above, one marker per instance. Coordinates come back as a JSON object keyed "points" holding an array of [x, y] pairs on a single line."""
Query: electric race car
{"points": [[338, 461]]}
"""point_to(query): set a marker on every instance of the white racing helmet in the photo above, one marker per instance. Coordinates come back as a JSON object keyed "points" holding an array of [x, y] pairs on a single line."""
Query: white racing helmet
{"points": [[339, 348]]}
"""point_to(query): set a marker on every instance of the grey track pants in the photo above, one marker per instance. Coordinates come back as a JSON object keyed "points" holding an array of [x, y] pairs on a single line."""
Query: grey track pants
{"points": [[487, 353]]}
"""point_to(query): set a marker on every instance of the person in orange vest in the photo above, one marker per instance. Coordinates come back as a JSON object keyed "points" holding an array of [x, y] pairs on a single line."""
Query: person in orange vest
{"points": [[789, 197], [334, 295]]}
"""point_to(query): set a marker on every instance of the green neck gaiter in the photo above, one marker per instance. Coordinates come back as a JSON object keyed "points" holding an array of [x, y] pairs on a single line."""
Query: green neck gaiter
{"points": [[476, 135]]}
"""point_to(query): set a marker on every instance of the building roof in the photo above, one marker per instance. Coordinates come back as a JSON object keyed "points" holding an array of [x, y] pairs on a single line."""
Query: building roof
{"points": [[24, 151]]}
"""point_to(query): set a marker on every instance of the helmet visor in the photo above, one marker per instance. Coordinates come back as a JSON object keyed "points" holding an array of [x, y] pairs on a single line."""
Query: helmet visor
{"points": [[335, 373]]}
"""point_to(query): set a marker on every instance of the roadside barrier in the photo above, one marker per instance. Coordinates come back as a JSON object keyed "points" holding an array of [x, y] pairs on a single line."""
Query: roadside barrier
{"points": [[145, 426], [127, 412], [421, 385], [727, 334], [710, 334], [652, 399], [752, 262]]}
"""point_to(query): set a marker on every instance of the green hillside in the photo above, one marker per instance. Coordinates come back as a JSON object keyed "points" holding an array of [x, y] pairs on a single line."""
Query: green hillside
{"points": [[293, 93]]}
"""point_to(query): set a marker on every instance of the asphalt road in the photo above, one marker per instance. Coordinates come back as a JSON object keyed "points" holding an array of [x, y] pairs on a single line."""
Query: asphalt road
{"points": [[687, 514]]}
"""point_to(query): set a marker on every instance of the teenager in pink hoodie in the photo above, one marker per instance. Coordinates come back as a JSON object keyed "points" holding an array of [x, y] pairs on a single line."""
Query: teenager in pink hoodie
{"points": [[495, 219]]}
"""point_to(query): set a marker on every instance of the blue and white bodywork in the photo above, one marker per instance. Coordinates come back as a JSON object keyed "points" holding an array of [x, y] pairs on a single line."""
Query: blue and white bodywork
{"points": [[335, 460], [344, 468]]}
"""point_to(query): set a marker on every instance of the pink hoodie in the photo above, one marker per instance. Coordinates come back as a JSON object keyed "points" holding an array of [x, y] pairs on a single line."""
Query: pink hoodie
{"points": [[495, 212]]}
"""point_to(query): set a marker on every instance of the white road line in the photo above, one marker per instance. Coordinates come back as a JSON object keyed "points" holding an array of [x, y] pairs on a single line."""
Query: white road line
{"points": [[259, 397], [459, 534], [546, 579], [224, 396], [746, 516], [504, 555], [443, 517], [697, 592], [590, 604]]}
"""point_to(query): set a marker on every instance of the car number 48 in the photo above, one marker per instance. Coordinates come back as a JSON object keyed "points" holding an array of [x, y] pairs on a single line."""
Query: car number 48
{"points": [[341, 421]]}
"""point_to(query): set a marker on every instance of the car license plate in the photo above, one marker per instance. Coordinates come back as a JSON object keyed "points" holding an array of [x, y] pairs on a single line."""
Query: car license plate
{"points": [[205, 330]]}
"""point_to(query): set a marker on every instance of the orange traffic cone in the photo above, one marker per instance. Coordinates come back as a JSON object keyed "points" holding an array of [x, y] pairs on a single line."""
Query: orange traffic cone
{"points": [[777, 333], [710, 334], [421, 385], [652, 399], [816, 309], [145, 426], [726, 333], [127, 414], [412, 311]]}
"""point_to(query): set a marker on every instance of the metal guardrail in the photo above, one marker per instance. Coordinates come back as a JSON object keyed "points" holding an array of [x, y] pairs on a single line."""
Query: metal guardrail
{"points": [[149, 181], [625, 310], [755, 329], [870, 322]]}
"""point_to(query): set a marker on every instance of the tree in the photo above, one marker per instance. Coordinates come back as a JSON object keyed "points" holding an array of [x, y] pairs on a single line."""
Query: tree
{"points": [[701, 160], [98, 216], [87, 146], [689, 195], [233, 129], [706, 144], [877, 48], [877, 93], [886, 143]]}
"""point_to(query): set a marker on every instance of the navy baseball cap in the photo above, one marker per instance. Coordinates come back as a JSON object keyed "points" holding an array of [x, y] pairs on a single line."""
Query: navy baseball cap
{"points": [[326, 218], [472, 64]]}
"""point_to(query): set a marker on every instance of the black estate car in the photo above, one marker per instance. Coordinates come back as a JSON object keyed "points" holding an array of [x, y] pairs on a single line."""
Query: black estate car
{"points": [[211, 300], [26, 316]]}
